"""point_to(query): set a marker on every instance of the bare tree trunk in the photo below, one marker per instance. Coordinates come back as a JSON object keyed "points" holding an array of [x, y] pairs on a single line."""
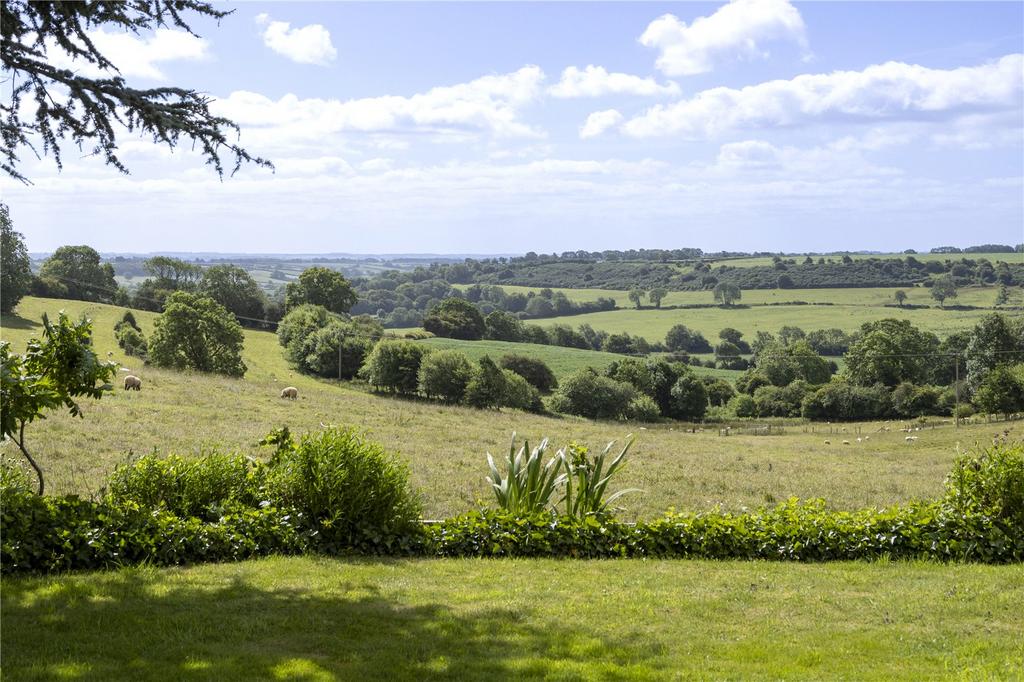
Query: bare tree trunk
{"points": [[21, 446]]}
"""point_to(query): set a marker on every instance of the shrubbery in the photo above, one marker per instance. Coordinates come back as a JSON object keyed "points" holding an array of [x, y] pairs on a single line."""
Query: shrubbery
{"points": [[394, 366], [535, 371], [129, 336], [840, 401], [586, 394], [444, 374]]}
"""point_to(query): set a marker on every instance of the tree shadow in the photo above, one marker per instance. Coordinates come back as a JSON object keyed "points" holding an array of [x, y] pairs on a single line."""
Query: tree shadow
{"points": [[18, 322], [218, 625]]}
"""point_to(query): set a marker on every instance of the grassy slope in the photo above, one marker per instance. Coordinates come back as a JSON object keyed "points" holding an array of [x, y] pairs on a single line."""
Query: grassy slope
{"points": [[445, 446], [923, 257], [653, 324], [562, 361], [328, 619]]}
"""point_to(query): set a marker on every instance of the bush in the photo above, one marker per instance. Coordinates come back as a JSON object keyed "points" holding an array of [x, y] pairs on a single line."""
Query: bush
{"points": [[444, 374], [194, 487], [1002, 390], [719, 391], [910, 401], [989, 483], [195, 332], [520, 394], [743, 405], [336, 351], [394, 366], [350, 492], [586, 394], [487, 387], [780, 401], [840, 401], [130, 339], [299, 323], [751, 380], [643, 408], [535, 371], [689, 397]]}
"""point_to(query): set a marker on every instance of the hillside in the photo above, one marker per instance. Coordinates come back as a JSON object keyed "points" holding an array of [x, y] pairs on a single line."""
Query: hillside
{"points": [[445, 445]]}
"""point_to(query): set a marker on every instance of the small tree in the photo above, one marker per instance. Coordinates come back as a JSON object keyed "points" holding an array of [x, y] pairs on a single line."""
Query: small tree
{"points": [[236, 290], [444, 374], [636, 295], [55, 370], [942, 289], [195, 332], [657, 295], [394, 366], [727, 293], [321, 286], [15, 268], [1002, 296], [900, 297], [533, 370], [689, 397], [455, 318], [1002, 390], [79, 270], [681, 338], [488, 386]]}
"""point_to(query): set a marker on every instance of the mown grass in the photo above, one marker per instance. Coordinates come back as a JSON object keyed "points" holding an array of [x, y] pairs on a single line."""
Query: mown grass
{"points": [[562, 361], [445, 446], [335, 619]]}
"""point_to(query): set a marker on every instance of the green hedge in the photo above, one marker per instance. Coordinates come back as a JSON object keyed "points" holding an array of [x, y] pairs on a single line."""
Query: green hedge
{"points": [[980, 518]]}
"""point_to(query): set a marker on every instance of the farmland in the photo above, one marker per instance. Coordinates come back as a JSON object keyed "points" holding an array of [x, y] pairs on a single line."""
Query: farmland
{"points": [[445, 445]]}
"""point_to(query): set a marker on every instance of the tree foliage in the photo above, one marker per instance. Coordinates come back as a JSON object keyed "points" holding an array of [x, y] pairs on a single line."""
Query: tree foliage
{"points": [[80, 270], [15, 267], [727, 293], [455, 318], [89, 111], [235, 289], [321, 286], [57, 368], [195, 332]]}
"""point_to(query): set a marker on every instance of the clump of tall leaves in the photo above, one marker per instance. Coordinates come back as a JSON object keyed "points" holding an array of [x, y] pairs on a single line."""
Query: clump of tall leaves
{"points": [[57, 368], [587, 478], [528, 484]]}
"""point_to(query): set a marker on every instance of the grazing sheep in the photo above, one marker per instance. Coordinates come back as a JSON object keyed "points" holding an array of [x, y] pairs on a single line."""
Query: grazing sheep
{"points": [[846, 442], [828, 442], [910, 438], [132, 383], [290, 392]]}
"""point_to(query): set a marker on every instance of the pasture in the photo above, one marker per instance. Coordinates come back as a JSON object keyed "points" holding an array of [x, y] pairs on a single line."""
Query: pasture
{"points": [[676, 465], [343, 619], [923, 257]]}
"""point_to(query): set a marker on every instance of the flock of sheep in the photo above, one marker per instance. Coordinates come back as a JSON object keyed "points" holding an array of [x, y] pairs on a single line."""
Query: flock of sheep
{"points": [[134, 383]]}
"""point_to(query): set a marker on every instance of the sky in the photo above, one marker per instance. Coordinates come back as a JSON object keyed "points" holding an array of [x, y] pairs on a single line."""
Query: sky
{"points": [[756, 125]]}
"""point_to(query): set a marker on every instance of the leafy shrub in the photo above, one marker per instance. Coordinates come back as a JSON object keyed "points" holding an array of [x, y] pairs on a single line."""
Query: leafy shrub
{"points": [[840, 401], [751, 380], [455, 318], [299, 323], [990, 483], [131, 340], [487, 388], [336, 350], [351, 493], [520, 394], [780, 401], [445, 374], [743, 405], [193, 487], [689, 397], [587, 480], [1002, 390], [719, 391], [586, 394], [643, 408], [394, 366], [632, 371], [909, 400], [533, 370]]}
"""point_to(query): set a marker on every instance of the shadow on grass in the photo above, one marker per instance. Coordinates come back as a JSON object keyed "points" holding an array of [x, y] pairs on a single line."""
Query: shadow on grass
{"points": [[147, 624], [18, 322]]}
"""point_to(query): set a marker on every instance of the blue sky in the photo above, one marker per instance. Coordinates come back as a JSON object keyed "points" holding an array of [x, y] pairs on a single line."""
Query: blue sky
{"points": [[506, 127]]}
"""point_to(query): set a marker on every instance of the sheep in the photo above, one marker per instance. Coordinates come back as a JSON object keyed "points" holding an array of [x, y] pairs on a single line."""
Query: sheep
{"points": [[828, 442], [846, 442], [910, 439], [290, 392], [132, 383]]}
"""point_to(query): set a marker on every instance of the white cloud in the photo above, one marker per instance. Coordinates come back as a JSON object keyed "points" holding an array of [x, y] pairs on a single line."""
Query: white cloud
{"points": [[306, 45], [134, 55], [736, 31], [595, 81], [842, 158], [893, 91], [600, 121], [489, 104]]}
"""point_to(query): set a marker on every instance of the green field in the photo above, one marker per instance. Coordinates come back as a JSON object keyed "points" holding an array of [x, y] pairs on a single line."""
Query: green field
{"points": [[923, 257], [562, 361], [335, 619], [982, 297], [653, 324], [445, 445]]}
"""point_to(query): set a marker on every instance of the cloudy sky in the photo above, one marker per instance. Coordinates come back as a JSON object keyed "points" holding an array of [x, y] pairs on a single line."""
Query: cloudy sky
{"points": [[502, 127]]}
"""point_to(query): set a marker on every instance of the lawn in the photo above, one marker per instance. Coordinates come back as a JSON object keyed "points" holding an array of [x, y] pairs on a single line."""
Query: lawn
{"points": [[345, 619]]}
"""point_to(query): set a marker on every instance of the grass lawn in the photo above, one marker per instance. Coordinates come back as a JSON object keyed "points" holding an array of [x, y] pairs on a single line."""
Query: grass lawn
{"points": [[336, 619], [445, 446], [562, 361]]}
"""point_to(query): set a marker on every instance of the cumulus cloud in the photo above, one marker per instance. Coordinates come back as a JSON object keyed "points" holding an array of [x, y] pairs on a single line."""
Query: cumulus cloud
{"points": [[488, 104], [595, 81], [306, 45], [134, 55], [893, 91], [600, 121], [736, 31]]}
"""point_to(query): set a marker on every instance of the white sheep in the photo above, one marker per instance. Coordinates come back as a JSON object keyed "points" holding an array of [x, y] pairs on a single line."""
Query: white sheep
{"points": [[132, 383], [910, 438], [290, 392], [846, 442]]}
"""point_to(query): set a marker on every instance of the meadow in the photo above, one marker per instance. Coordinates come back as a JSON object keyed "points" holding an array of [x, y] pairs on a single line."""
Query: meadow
{"points": [[676, 465], [754, 261], [342, 619]]}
